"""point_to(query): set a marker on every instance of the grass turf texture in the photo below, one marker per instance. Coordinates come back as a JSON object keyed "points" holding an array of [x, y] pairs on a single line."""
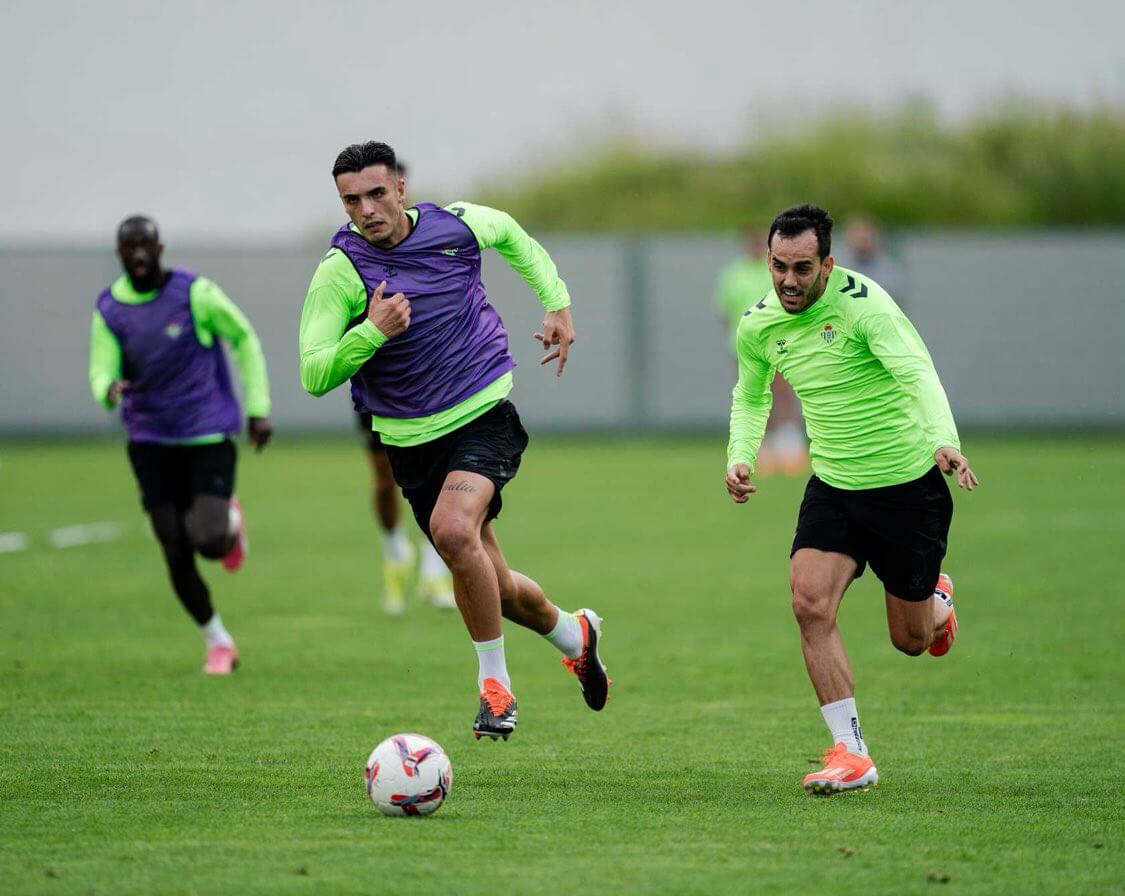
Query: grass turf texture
{"points": [[124, 770]]}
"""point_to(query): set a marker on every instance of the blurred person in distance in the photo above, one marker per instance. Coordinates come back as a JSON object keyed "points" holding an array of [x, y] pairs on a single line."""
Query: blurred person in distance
{"points": [[865, 254], [155, 350], [739, 285]]}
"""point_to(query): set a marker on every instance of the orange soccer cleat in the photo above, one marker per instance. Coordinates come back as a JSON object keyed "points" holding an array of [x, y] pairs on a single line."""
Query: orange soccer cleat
{"points": [[842, 771], [497, 716], [944, 590], [587, 667]]}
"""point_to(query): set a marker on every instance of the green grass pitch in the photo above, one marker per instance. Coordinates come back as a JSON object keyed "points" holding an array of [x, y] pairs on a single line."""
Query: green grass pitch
{"points": [[124, 770]]}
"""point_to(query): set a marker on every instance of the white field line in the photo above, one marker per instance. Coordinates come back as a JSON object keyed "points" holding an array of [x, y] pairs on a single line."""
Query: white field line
{"points": [[85, 533], [11, 542]]}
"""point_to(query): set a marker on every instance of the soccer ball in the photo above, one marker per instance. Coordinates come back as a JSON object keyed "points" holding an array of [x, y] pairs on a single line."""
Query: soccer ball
{"points": [[408, 774]]}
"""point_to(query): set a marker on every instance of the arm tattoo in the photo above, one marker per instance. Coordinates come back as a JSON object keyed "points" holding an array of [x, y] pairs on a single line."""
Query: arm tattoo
{"points": [[461, 486]]}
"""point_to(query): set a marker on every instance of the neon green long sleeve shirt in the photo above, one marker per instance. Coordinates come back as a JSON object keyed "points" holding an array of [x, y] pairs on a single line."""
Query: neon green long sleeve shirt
{"points": [[873, 404], [214, 315], [331, 353]]}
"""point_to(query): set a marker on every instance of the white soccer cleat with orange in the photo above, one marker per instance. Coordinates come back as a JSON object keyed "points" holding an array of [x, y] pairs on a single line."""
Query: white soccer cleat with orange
{"points": [[842, 771]]}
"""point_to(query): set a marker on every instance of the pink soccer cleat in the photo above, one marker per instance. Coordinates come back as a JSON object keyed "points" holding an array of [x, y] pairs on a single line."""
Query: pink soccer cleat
{"points": [[944, 590], [221, 660], [234, 558]]}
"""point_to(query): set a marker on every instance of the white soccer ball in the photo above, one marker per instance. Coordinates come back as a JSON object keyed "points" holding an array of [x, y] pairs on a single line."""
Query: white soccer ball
{"points": [[408, 774]]}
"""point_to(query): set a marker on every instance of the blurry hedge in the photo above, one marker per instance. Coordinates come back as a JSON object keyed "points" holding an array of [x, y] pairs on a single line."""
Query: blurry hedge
{"points": [[1019, 164]]}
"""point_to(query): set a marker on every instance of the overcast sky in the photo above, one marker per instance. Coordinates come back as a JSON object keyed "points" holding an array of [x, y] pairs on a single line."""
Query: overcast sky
{"points": [[222, 120]]}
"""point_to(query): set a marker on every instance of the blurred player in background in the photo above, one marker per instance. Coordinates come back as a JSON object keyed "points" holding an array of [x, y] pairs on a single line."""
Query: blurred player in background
{"points": [[882, 434], [154, 348], [740, 284], [434, 581], [397, 306], [867, 256]]}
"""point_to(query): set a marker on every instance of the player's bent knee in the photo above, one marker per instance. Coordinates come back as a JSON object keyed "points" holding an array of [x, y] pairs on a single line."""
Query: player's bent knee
{"points": [[210, 535], [909, 643], [214, 546], [453, 535], [812, 609]]}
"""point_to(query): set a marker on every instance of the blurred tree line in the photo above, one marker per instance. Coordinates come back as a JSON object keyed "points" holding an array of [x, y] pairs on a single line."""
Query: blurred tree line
{"points": [[1015, 164]]}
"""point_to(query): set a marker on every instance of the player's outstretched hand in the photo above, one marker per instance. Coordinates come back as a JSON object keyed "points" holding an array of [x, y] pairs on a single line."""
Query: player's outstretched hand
{"points": [[738, 483], [558, 329], [116, 390], [391, 316], [259, 430], [950, 461]]}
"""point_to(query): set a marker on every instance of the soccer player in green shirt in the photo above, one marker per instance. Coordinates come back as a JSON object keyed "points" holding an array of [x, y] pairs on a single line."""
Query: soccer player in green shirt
{"points": [[881, 435], [397, 306], [155, 350]]}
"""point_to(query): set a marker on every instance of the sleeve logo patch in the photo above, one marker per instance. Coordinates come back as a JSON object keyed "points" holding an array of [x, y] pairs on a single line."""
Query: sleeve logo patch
{"points": [[847, 288]]}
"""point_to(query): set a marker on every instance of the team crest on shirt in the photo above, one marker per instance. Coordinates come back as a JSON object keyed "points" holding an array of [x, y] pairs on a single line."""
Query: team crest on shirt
{"points": [[828, 334], [173, 330]]}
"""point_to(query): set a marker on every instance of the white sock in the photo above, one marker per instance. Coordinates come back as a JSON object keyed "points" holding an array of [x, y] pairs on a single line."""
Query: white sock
{"points": [[234, 519], [843, 721], [215, 633], [567, 634], [490, 655], [396, 546], [433, 567]]}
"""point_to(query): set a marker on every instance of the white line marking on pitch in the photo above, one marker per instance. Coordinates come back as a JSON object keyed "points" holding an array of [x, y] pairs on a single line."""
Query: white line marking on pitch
{"points": [[85, 533], [11, 542]]}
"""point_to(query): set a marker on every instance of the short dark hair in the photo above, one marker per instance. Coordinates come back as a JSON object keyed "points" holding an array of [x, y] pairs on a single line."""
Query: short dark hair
{"points": [[800, 218], [135, 223], [363, 155]]}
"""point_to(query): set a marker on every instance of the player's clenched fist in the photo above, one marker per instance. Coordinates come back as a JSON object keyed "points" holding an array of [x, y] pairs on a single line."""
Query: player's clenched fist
{"points": [[391, 316], [116, 389], [738, 483]]}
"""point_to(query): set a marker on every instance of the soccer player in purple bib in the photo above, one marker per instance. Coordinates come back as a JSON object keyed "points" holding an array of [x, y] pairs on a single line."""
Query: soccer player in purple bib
{"points": [[154, 349], [398, 307], [434, 582]]}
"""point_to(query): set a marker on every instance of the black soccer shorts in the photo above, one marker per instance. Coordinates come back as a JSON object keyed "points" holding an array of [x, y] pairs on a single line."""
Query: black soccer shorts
{"points": [[901, 530], [175, 474], [491, 446]]}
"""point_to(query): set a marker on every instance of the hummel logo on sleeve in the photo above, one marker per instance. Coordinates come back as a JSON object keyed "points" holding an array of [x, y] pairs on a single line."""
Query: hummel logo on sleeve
{"points": [[851, 284], [761, 304]]}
